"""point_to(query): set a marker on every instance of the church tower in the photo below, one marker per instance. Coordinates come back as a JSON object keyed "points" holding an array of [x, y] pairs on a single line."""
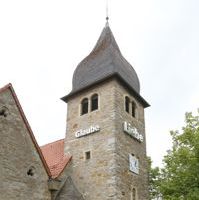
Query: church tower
{"points": [[106, 127]]}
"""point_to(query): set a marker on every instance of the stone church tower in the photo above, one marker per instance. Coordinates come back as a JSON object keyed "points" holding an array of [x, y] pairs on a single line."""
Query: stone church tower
{"points": [[103, 156], [106, 127]]}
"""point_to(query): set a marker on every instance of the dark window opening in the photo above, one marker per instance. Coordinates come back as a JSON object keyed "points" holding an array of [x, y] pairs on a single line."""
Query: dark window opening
{"points": [[84, 106], [87, 155], [30, 172], [133, 194], [133, 109], [127, 101], [94, 102], [4, 112]]}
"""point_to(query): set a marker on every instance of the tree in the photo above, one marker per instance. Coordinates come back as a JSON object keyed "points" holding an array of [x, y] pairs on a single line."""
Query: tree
{"points": [[154, 174], [179, 178]]}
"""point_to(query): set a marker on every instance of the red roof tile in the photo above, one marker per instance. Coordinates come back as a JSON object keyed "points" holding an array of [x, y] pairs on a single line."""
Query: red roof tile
{"points": [[55, 158]]}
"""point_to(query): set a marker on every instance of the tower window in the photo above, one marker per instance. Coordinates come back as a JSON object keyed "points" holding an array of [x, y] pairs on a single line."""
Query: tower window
{"points": [[94, 102], [127, 102], [133, 109], [84, 106], [133, 194], [87, 155]]}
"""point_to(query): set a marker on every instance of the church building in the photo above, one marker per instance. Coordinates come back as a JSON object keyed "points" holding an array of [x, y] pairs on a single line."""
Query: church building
{"points": [[103, 154]]}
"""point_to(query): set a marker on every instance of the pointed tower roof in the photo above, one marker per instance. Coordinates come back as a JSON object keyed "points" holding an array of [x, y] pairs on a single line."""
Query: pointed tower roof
{"points": [[104, 61]]}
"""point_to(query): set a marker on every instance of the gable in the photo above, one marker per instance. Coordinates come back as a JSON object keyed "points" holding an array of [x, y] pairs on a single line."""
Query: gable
{"points": [[24, 173]]}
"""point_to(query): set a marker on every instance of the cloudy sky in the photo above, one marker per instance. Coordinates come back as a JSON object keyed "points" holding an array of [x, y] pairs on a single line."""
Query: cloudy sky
{"points": [[41, 43]]}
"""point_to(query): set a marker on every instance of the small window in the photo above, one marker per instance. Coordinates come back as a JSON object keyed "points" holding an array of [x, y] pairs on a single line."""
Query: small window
{"points": [[127, 101], [133, 194], [94, 102], [4, 111], [31, 171], [133, 109], [84, 106], [87, 155]]}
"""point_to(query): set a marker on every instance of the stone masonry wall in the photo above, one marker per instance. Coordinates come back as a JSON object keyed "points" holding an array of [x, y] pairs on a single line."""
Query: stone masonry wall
{"points": [[94, 178], [126, 145], [106, 175], [17, 156]]}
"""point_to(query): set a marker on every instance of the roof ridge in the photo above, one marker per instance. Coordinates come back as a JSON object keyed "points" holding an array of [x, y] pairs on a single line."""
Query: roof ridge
{"points": [[5, 87], [10, 87], [51, 143]]}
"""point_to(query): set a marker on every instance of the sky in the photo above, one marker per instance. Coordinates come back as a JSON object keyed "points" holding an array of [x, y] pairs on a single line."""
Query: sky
{"points": [[42, 42]]}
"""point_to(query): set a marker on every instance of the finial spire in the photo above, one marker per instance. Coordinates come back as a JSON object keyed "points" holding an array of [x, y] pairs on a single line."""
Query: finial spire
{"points": [[107, 17]]}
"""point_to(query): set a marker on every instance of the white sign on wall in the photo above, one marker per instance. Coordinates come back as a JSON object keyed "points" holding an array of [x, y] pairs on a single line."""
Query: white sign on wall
{"points": [[133, 164], [91, 129], [132, 131]]}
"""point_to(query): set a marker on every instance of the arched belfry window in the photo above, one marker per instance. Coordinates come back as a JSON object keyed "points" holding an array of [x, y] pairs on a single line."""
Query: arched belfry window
{"points": [[84, 106], [94, 102], [127, 104], [133, 109]]}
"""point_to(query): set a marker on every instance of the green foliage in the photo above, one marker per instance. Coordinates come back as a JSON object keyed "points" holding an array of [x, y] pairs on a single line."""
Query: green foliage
{"points": [[179, 178], [154, 174]]}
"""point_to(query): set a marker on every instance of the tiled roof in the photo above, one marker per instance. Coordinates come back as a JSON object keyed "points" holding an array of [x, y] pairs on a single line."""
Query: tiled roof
{"points": [[55, 158], [104, 60]]}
